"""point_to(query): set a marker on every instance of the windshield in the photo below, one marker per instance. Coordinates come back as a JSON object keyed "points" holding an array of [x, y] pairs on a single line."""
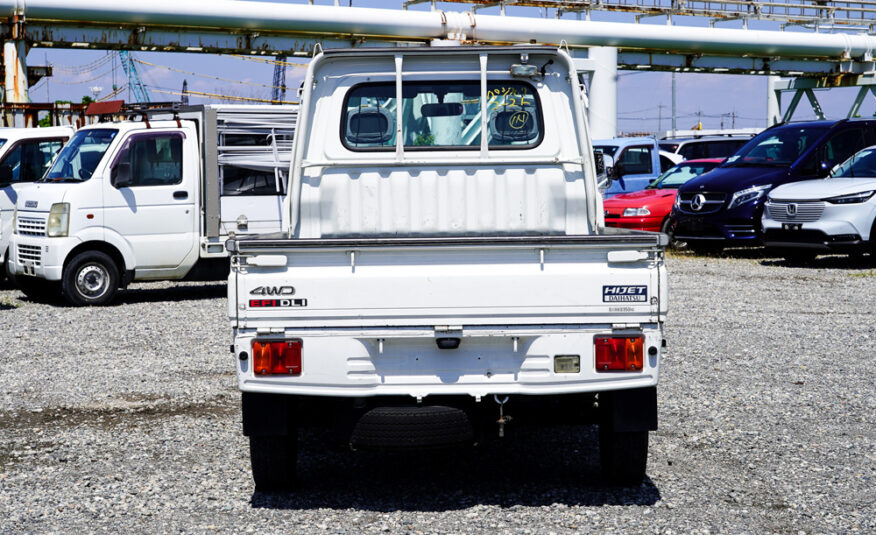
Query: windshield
{"points": [[608, 150], [862, 164], [2, 142], [776, 148], [681, 173], [79, 158]]}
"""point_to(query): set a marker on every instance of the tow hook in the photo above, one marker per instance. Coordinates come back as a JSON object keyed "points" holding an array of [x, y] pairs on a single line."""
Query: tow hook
{"points": [[502, 418]]}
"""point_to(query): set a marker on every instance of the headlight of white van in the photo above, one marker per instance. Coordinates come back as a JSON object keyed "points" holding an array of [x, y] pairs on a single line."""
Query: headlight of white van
{"points": [[59, 220], [747, 195]]}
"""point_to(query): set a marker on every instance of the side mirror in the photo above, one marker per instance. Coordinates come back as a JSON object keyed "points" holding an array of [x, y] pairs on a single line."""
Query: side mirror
{"points": [[120, 176], [825, 167], [617, 172], [5, 175]]}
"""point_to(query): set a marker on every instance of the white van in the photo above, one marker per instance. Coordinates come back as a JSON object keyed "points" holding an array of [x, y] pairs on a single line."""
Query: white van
{"points": [[25, 154], [151, 199]]}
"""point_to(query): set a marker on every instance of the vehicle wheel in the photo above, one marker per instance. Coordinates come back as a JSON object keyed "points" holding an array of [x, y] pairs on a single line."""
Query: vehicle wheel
{"points": [[37, 290], [90, 278], [623, 456], [666, 228], [4, 269], [273, 460], [873, 243]]}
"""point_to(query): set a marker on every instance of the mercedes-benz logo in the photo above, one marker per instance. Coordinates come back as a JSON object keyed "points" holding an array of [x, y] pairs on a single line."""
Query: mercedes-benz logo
{"points": [[791, 209], [696, 204]]}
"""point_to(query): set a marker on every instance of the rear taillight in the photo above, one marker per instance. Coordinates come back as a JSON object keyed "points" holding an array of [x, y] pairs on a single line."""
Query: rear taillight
{"points": [[280, 357], [619, 353]]}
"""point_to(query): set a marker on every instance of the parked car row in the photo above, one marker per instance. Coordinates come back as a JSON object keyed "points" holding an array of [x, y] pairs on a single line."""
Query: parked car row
{"points": [[800, 188]]}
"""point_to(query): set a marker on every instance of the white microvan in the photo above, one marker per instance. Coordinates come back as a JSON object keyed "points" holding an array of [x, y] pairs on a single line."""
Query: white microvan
{"points": [[25, 154], [151, 199]]}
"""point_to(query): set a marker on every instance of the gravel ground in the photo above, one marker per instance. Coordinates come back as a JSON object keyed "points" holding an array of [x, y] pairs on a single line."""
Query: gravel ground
{"points": [[126, 419]]}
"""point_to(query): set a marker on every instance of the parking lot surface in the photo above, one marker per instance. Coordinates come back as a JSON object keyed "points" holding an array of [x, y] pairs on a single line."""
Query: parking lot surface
{"points": [[126, 419]]}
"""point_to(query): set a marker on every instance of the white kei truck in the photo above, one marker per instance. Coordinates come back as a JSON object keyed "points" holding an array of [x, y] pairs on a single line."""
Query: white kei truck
{"points": [[444, 265], [151, 198], [25, 154]]}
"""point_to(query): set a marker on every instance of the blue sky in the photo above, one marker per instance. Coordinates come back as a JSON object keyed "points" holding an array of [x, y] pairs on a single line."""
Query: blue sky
{"points": [[643, 97]]}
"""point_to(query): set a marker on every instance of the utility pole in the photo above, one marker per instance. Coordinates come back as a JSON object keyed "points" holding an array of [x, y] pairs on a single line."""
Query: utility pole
{"points": [[659, 119], [674, 124], [184, 98], [48, 99]]}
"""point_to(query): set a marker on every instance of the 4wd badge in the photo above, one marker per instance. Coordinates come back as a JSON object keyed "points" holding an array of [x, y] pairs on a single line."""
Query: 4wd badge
{"points": [[273, 290], [624, 294]]}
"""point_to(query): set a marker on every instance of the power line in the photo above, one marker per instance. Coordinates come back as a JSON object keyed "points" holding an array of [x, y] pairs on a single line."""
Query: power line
{"points": [[78, 82], [268, 61], [216, 95], [88, 67], [220, 78]]}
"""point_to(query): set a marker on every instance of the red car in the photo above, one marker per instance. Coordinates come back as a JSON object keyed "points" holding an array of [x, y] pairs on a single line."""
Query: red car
{"points": [[648, 209]]}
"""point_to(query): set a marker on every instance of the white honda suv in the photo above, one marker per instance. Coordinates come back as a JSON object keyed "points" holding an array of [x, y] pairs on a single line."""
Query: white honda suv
{"points": [[830, 215]]}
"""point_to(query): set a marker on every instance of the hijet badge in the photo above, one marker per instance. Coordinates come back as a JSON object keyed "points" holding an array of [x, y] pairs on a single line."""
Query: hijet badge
{"points": [[624, 294]]}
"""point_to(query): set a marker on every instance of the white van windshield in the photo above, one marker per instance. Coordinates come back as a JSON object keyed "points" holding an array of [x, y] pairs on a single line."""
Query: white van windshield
{"points": [[79, 158]]}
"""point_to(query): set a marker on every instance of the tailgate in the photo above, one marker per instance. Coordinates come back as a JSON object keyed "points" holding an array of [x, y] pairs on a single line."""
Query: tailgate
{"points": [[558, 280]]}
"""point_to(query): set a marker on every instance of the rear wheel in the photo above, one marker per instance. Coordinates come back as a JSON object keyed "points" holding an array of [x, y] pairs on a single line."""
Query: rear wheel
{"points": [[623, 456], [273, 460], [90, 278]]}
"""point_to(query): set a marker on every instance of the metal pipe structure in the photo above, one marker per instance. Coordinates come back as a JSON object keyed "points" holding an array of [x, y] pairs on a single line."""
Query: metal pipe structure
{"points": [[388, 24]]}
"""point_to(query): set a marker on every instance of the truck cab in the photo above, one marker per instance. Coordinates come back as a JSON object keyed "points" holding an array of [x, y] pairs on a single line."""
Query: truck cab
{"points": [[444, 266], [150, 199], [25, 154], [637, 161]]}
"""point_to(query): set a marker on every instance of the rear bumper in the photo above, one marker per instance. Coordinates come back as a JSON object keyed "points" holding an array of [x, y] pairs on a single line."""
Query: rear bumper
{"points": [[359, 365]]}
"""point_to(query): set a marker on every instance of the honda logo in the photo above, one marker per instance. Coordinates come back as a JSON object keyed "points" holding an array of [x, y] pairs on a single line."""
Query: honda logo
{"points": [[791, 209]]}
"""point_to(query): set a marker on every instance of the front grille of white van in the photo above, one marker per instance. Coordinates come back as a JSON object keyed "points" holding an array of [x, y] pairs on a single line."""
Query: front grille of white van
{"points": [[31, 226], [30, 254], [794, 212]]}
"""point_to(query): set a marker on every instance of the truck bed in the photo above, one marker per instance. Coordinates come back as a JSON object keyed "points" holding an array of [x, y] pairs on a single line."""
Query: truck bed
{"points": [[402, 282]]}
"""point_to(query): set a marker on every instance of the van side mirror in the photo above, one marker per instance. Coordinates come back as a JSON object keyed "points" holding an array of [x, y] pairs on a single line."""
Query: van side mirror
{"points": [[5, 175], [120, 176]]}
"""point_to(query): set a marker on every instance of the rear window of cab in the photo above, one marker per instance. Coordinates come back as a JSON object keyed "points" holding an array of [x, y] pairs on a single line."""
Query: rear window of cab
{"points": [[443, 115]]}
